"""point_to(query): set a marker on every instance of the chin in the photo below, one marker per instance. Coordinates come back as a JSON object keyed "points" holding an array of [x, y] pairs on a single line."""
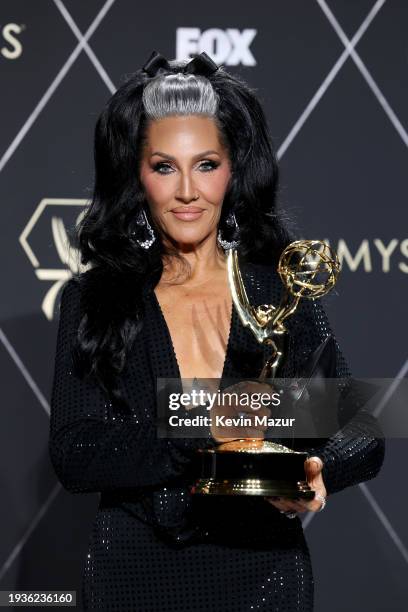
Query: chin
{"points": [[187, 237], [187, 241]]}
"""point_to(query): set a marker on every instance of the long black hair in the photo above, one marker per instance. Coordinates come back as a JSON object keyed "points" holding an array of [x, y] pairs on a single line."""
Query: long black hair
{"points": [[106, 236]]}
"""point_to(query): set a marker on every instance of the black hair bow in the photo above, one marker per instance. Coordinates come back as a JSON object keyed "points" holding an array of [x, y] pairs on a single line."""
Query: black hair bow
{"points": [[200, 64]]}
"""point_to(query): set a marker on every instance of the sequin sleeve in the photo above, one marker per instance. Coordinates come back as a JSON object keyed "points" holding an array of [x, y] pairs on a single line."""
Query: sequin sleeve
{"points": [[90, 448], [356, 452]]}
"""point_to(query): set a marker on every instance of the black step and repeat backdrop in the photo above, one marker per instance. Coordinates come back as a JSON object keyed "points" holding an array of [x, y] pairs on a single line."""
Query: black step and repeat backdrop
{"points": [[332, 76]]}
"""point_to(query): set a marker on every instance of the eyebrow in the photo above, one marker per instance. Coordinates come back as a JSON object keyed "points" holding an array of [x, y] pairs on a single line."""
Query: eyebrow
{"points": [[166, 155]]}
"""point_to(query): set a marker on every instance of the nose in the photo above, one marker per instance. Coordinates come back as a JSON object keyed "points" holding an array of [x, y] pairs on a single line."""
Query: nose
{"points": [[186, 191]]}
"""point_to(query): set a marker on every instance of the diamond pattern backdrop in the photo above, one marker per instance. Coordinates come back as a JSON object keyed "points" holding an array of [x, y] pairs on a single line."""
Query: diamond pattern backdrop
{"points": [[332, 76]]}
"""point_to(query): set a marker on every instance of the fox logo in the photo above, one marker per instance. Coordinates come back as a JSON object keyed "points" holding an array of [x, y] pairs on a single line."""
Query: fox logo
{"points": [[229, 47]]}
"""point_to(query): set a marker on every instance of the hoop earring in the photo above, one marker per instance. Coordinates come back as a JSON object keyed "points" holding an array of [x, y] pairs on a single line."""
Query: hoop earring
{"points": [[143, 221], [230, 244]]}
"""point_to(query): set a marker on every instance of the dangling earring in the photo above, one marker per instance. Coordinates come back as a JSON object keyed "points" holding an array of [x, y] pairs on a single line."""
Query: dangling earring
{"points": [[142, 221], [230, 244]]}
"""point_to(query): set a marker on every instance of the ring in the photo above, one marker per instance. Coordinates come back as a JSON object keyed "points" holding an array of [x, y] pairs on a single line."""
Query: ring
{"points": [[288, 514], [322, 499]]}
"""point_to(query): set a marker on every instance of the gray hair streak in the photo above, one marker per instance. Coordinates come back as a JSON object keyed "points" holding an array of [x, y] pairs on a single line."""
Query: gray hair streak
{"points": [[179, 94]]}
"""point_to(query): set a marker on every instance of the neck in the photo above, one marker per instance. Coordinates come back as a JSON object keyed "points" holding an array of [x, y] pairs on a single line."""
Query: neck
{"points": [[204, 260]]}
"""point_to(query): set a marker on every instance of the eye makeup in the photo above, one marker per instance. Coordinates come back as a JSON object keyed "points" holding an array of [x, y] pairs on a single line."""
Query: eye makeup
{"points": [[206, 166]]}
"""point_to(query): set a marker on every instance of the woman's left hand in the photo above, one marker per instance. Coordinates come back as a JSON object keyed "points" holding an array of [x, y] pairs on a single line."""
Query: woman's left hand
{"points": [[313, 470]]}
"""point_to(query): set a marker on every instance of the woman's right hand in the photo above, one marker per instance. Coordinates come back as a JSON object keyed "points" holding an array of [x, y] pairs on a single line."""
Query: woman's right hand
{"points": [[233, 409]]}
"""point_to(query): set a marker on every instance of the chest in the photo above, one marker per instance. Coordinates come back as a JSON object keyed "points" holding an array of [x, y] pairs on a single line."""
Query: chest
{"points": [[199, 325]]}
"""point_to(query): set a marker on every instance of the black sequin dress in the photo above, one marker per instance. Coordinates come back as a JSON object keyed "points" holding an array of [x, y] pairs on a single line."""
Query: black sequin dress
{"points": [[153, 547]]}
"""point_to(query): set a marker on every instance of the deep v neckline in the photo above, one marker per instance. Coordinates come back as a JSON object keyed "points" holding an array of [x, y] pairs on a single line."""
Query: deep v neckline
{"points": [[171, 343]]}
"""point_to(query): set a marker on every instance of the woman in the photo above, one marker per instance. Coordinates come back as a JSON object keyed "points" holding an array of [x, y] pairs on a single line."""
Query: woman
{"points": [[184, 170]]}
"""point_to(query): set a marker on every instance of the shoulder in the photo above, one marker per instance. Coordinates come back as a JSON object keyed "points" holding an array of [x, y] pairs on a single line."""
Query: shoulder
{"points": [[262, 282], [74, 295], [72, 289], [81, 287], [261, 272]]}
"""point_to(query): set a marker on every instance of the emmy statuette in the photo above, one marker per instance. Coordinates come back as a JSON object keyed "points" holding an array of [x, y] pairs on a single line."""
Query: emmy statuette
{"points": [[252, 466]]}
